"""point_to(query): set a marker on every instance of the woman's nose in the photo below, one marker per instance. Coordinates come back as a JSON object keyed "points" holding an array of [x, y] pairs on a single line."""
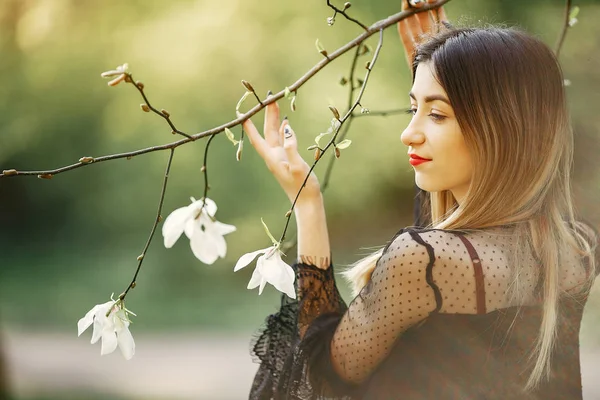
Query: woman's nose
{"points": [[412, 134]]}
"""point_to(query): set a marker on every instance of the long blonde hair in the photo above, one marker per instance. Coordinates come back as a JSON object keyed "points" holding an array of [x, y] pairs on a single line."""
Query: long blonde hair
{"points": [[506, 89]]}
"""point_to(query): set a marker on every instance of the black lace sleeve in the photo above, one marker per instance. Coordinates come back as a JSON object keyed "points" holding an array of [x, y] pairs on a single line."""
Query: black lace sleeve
{"points": [[293, 349]]}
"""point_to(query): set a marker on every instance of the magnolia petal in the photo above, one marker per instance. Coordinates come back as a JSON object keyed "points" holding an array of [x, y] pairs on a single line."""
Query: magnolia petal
{"points": [[248, 257], [86, 321], [214, 230], [98, 329], [256, 279], [277, 273], [175, 224], [259, 268], [263, 283], [126, 343], [109, 341], [223, 229], [210, 208], [203, 246], [220, 245]]}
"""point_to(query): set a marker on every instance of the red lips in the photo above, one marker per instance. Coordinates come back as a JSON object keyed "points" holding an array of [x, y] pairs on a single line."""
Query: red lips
{"points": [[416, 160], [417, 157]]}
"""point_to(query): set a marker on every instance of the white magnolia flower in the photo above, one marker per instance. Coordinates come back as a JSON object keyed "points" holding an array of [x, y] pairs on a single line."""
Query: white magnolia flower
{"points": [[113, 329], [200, 226], [270, 268]]}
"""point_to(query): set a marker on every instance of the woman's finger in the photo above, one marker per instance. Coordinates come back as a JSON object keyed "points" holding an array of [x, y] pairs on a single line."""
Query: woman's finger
{"points": [[271, 128], [255, 139], [290, 144], [407, 41], [425, 18]]}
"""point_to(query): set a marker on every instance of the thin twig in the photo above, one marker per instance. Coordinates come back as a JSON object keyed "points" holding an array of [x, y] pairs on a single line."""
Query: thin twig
{"points": [[333, 139], [384, 113], [376, 27], [349, 123], [338, 11], [140, 87], [565, 28], [205, 170], [156, 221]]}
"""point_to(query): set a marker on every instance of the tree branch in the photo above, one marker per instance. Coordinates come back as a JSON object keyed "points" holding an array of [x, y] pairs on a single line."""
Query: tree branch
{"points": [[565, 28], [156, 221], [376, 27], [370, 66]]}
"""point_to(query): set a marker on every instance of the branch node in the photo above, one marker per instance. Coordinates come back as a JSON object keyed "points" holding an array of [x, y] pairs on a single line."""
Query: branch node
{"points": [[9, 172], [86, 160], [45, 176], [145, 107], [165, 113]]}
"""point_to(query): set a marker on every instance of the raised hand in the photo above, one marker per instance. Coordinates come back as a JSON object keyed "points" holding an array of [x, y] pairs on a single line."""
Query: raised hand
{"points": [[279, 150], [412, 28]]}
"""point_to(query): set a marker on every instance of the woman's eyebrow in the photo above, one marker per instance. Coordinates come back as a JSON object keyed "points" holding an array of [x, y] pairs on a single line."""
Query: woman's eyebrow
{"points": [[431, 98]]}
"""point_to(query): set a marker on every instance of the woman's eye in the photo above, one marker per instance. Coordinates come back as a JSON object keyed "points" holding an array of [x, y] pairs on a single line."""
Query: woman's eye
{"points": [[434, 116], [437, 117]]}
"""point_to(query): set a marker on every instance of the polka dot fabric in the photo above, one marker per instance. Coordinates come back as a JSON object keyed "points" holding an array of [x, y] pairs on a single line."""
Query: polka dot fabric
{"points": [[399, 295], [437, 302]]}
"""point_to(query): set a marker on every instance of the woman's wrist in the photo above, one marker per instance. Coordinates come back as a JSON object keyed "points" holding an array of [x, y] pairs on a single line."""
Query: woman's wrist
{"points": [[313, 237]]}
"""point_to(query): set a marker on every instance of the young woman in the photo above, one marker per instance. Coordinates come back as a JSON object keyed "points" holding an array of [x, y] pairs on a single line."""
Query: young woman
{"points": [[486, 301]]}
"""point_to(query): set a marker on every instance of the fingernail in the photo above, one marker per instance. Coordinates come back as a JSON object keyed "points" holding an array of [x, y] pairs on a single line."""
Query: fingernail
{"points": [[269, 93], [285, 118]]}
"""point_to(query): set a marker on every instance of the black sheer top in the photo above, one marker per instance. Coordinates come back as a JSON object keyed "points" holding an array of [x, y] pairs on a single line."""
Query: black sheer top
{"points": [[442, 317]]}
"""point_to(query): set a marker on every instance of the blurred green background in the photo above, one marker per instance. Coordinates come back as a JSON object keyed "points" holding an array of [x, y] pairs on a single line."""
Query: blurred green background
{"points": [[68, 243]]}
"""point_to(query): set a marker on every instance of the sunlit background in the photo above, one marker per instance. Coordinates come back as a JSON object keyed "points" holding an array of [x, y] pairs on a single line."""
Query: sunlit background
{"points": [[68, 243]]}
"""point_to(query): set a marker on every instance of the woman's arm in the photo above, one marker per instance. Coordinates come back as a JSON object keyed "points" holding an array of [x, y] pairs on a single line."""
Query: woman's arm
{"points": [[279, 150], [313, 237]]}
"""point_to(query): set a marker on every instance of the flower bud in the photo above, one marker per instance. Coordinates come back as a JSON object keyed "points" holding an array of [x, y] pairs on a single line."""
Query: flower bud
{"points": [[324, 53], [145, 107], [347, 5], [364, 110], [337, 153], [45, 176], [127, 78], [203, 168], [335, 112], [368, 65], [117, 80], [9, 172], [287, 214], [238, 153], [86, 160], [173, 132], [159, 219], [140, 85], [248, 86], [314, 146], [317, 154], [165, 113], [133, 285], [343, 81], [293, 104], [140, 257], [330, 21]]}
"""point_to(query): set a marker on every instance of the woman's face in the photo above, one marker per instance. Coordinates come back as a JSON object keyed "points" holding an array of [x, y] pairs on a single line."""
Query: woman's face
{"points": [[434, 134]]}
